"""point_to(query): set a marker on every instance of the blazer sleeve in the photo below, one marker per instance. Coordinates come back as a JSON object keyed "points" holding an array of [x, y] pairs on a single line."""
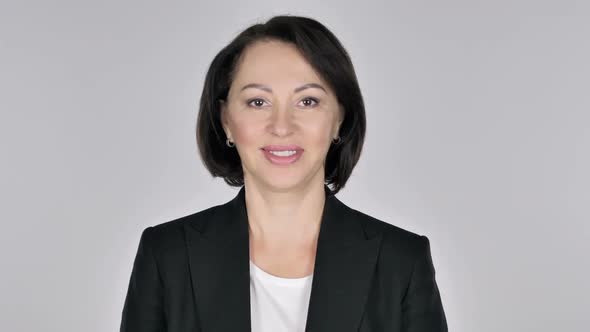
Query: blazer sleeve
{"points": [[422, 306], [143, 310]]}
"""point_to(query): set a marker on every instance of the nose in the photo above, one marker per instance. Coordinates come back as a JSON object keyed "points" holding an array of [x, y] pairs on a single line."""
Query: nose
{"points": [[281, 122]]}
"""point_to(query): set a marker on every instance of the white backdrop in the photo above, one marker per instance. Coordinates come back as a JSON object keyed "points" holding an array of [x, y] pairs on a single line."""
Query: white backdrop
{"points": [[478, 137]]}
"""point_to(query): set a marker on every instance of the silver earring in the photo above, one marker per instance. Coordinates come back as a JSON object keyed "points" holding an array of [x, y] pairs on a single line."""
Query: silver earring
{"points": [[229, 143], [337, 140]]}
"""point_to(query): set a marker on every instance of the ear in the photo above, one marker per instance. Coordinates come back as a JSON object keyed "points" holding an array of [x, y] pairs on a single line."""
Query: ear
{"points": [[223, 115], [339, 120]]}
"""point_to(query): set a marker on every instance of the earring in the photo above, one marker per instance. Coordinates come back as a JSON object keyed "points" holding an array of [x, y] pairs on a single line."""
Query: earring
{"points": [[229, 143], [336, 140]]}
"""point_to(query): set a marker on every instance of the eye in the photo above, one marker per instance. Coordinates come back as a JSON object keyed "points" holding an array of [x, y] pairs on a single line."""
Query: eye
{"points": [[310, 102], [255, 102]]}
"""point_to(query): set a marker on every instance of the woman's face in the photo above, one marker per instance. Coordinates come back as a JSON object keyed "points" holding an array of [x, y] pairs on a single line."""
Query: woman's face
{"points": [[278, 102]]}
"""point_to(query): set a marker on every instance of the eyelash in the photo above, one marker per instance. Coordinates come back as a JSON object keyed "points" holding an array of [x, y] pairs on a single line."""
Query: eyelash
{"points": [[316, 101]]}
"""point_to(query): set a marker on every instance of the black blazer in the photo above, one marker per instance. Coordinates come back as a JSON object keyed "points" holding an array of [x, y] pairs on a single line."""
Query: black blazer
{"points": [[192, 274]]}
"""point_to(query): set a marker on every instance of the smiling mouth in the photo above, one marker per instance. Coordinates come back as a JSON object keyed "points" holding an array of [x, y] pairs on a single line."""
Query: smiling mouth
{"points": [[282, 157]]}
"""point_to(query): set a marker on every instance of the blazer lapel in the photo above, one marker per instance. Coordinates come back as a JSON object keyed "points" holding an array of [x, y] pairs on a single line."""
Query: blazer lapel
{"points": [[344, 266], [219, 254]]}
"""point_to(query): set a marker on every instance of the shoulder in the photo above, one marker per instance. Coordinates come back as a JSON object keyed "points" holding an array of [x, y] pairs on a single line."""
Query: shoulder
{"points": [[402, 251], [170, 235], [394, 238]]}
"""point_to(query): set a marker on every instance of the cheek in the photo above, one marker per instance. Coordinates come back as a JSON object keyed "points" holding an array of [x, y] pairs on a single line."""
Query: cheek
{"points": [[247, 132], [317, 136]]}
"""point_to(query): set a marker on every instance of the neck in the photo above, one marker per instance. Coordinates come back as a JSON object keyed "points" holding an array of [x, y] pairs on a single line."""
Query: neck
{"points": [[282, 218]]}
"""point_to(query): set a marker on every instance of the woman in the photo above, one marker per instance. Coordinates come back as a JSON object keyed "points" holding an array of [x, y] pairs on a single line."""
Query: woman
{"points": [[282, 117]]}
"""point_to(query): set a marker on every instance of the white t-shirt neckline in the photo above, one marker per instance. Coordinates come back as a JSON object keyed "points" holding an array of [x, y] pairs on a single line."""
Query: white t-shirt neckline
{"points": [[288, 282]]}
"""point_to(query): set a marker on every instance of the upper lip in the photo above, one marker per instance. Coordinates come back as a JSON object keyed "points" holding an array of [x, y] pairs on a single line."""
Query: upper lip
{"points": [[289, 147]]}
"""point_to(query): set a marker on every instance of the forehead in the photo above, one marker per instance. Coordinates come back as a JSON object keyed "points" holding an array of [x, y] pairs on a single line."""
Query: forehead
{"points": [[268, 61]]}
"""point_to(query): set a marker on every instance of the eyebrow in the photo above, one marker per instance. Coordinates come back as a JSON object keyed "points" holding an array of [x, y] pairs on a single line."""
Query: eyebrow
{"points": [[268, 89]]}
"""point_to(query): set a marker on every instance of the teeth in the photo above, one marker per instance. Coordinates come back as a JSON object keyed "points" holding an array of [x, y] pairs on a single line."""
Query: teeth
{"points": [[283, 153]]}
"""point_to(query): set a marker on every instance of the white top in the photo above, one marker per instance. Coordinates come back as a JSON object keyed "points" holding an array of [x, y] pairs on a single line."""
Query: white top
{"points": [[278, 304]]}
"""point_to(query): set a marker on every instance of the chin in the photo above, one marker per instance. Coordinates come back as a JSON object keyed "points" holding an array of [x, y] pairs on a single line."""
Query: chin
{"points": [[283, 183]]}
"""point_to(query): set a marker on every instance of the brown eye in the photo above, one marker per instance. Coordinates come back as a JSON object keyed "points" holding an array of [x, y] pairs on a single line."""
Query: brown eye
{"points": [[309, 102], [256, 102]]}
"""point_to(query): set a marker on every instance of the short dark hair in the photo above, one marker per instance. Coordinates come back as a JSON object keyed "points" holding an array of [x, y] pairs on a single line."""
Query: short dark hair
{"points": [[324, 52]]}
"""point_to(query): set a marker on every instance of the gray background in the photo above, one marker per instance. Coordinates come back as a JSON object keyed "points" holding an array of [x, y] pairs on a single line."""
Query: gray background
{"points": [[478, 116]]}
